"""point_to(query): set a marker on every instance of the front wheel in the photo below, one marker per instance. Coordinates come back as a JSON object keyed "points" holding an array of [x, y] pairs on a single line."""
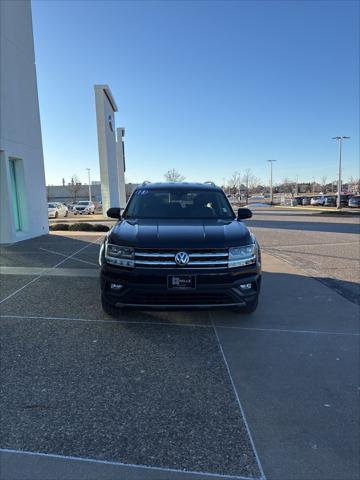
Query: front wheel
{"points": [[108, 308]]}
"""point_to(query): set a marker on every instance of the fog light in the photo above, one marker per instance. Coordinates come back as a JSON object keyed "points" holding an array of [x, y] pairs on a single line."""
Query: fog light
{"points": [[246, 286], [115, 286]]}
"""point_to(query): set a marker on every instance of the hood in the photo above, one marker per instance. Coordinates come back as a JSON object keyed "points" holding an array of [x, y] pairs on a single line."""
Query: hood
{"points": [[180, 233]]}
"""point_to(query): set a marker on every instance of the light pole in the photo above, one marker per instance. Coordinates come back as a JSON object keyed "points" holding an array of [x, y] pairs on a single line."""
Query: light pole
{"points": [[88, 170], [339, 139], [271, 180]]}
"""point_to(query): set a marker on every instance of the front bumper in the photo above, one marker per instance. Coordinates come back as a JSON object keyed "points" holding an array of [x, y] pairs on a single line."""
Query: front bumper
{"points": [[147, 289]]}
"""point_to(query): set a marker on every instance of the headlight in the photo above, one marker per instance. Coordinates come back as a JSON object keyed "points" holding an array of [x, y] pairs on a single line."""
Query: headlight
{"points": [[117, 255], [242, 256]]}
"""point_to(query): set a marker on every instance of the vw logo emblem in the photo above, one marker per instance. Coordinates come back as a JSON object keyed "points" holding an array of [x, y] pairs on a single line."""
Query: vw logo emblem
{"points": [[111, 126], [182, 258]]}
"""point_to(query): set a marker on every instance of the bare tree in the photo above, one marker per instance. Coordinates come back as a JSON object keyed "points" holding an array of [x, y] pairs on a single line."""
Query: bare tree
{"points": [[74, 187], [254, 183], [173, 175], [234, 183], [287, 185], [323, 183], [354, 184], [250, 182], [246, 182]]}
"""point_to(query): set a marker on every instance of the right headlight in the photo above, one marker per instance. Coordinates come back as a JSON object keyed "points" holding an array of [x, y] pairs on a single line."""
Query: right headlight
{"points": [[242, 256], [118, 255]]}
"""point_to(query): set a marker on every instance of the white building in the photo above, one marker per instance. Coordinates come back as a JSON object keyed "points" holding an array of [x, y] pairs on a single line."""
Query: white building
{"points": [[120, 158], [111, 150], [23, 207]]}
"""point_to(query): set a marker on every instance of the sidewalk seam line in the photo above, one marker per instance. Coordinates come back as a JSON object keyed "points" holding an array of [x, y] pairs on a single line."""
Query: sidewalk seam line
{"points": [[200, 325], [262, 474], [129, 465]]}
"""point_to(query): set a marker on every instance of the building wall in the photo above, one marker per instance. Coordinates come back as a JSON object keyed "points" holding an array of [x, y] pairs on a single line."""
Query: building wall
{"points": [[20, 130], [67, 193], [120, 156], [105, 110]]}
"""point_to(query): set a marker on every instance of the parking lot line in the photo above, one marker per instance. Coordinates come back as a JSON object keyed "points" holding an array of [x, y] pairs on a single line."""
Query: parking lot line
{"points": [[137, 322], [49, 269], [238, 400], [107, 462], [63, 255], [45, 272], [284, 330]]}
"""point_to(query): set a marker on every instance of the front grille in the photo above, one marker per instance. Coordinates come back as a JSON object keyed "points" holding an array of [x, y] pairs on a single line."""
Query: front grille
{"points": [[166, 258], [189, 298]]}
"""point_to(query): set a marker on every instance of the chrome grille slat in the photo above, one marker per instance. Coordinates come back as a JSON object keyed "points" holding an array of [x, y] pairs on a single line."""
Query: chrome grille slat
{"points": [[160, 255], [171, 255], [198, 258]]}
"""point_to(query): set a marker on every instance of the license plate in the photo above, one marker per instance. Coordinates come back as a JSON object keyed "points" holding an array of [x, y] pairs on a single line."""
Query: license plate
{"points": [[181, 282]]}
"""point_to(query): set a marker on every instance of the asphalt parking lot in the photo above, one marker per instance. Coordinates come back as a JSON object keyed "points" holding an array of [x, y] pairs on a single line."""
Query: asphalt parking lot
{"points": [[183, 395]]}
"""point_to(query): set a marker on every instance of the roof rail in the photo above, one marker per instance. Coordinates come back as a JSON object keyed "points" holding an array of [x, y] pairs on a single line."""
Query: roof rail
{"points": [[146, 182], [210, 183]]}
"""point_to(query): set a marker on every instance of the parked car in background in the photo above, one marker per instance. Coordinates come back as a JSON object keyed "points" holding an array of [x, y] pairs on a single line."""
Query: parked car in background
{"points": [[354, 202], [318, 201], [84, 207], [70, 206], [299, 200], [56, 210], [330, 202], [306, 200], [344, 200]]}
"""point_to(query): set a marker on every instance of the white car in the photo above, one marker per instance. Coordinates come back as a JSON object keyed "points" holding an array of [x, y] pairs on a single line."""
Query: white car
{"points": [[56, 210], [320, 200], [84, 207]]}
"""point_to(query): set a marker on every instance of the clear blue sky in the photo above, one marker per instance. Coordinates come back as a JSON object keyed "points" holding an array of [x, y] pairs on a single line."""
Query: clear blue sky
{"points": [[205, 87]]}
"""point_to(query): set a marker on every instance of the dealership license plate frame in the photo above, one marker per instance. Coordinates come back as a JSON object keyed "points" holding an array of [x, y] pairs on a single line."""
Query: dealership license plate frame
{"points": [[184, 282]]}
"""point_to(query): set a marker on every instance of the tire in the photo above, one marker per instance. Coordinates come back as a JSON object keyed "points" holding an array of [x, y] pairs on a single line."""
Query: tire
{"points": [[250, 307], [108, 308], [67, 213], [56, 215]]}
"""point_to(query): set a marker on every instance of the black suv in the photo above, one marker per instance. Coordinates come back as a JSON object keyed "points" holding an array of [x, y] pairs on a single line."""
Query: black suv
{"points": [[179, 246]]}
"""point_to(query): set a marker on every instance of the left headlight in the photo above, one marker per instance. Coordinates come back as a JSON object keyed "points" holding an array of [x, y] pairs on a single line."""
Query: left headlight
{"points": [[242, 256], [118, 255]]}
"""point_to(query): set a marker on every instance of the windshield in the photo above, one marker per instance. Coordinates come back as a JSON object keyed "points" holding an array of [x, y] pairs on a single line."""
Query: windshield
{"points": [[172, 203], [52, 205], [83, 203]]}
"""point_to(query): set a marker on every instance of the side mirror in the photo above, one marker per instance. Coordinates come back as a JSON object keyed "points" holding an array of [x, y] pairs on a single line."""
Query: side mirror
{"points": [[114, 213], [244, 213]]}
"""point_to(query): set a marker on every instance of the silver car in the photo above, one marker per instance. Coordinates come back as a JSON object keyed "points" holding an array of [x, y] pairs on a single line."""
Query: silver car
{"points": [[84, 207], [56, 209]]}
